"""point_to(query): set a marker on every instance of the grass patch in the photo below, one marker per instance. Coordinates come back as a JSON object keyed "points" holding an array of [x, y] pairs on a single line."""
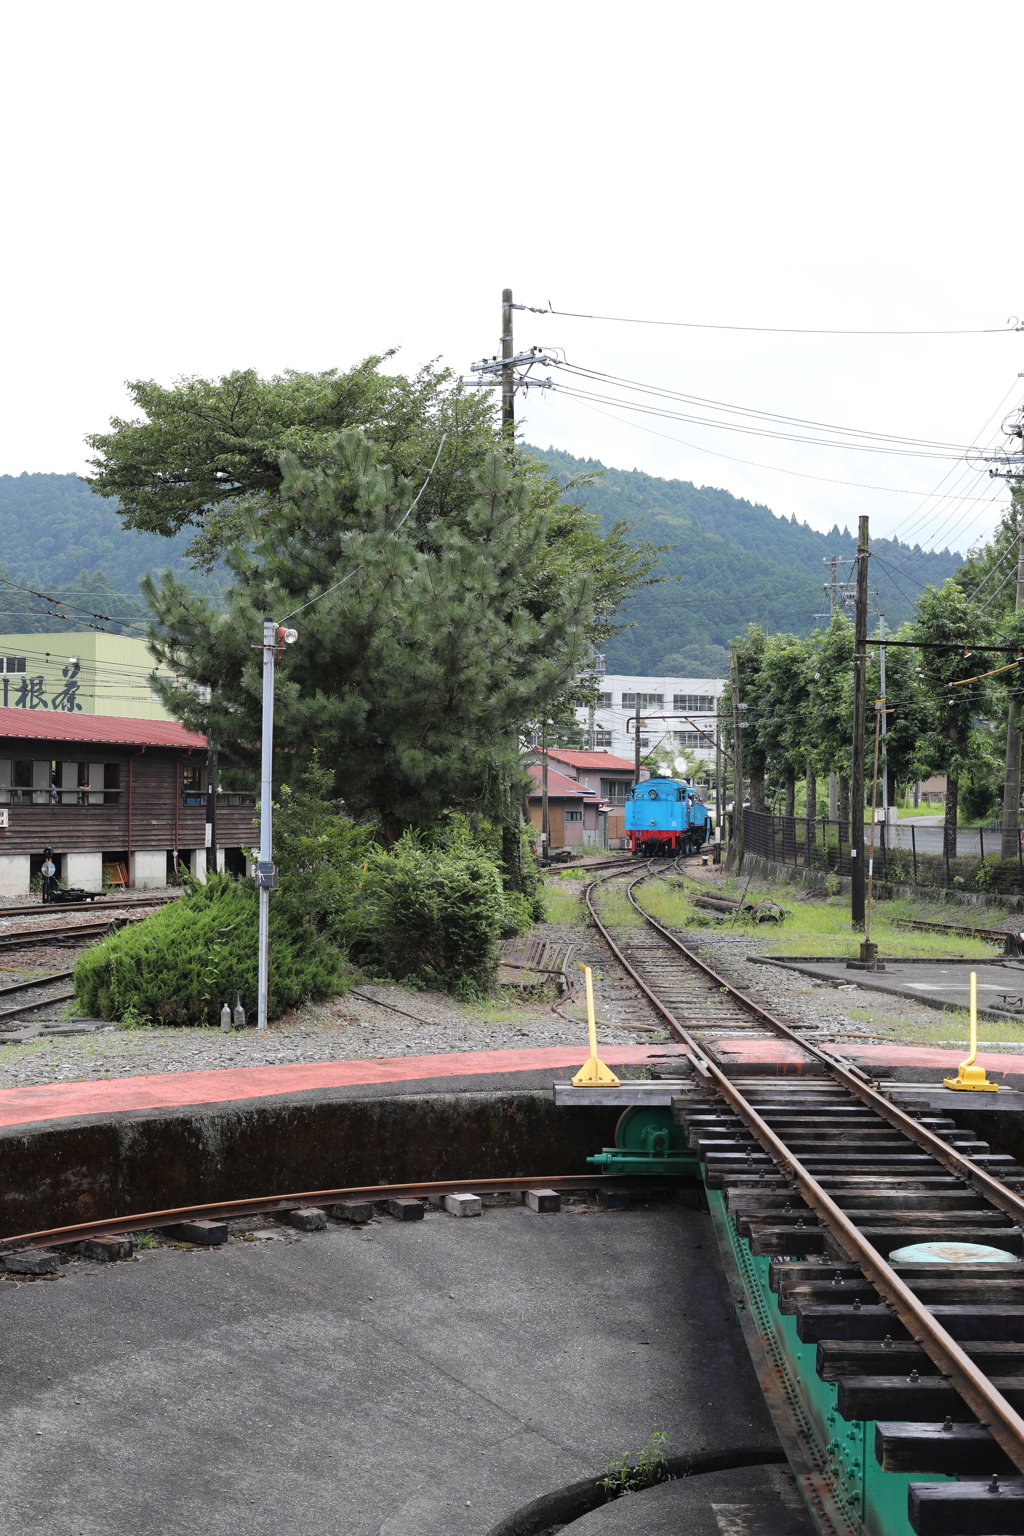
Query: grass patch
{"points": [[616, 910], [562, 903], [819, 927]]}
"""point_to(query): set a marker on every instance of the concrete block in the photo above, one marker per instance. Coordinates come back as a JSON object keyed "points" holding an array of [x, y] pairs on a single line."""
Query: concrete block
{"points": [[105, 1249], [463, 1205], [405, 1208], [352, 1210], [209, 1233], [308, 1218], [14, 874], [543, 1199], [149, 869], [32, 1261], [617, 1199], [84, 870]]}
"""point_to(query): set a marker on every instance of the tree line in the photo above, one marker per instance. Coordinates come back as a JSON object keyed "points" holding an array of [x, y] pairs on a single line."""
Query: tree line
{"points": [[946, 715]]}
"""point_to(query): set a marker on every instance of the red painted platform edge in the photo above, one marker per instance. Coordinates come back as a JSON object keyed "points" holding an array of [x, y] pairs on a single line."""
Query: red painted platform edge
{"points": [[178, 1090], [784, 1055]]}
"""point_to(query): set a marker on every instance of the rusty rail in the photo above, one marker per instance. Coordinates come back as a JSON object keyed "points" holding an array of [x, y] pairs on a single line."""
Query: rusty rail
{"points": [[993, 1410]]}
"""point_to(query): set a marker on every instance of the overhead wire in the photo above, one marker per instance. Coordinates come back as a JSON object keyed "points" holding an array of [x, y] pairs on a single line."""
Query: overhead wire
{"points": [[898, 490], [774, 330]]}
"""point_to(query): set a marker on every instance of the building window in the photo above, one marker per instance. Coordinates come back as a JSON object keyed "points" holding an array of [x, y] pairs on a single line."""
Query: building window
{"points": [[192, 784], [602, 738], [616, 790], [604, 701], [695, 703], [111, 783], [13, 663], [574, 815], [642, 700], [688, 738]]}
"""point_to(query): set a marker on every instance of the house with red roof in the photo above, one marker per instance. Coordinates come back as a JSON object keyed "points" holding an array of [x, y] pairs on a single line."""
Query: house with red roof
{"points": [[108, 792], [606, 779]]}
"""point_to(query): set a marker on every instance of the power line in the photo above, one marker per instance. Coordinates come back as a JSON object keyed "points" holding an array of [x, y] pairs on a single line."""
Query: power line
{"points": [[744, 410], [774, 330], [716, 453]]}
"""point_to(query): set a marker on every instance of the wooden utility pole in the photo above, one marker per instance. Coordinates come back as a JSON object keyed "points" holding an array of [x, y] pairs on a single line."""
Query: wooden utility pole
{"points": [[735, 859], [508, 384], [1011, 777], [860, 700]]}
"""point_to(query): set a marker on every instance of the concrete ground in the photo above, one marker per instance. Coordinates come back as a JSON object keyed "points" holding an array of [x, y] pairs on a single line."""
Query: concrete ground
{"points": [[405, 1379], [937, 983], [748, 1501]]}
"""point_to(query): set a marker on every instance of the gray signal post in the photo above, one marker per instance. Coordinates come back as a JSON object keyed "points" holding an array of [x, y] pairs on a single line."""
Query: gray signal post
{"points": [[266, 875]]}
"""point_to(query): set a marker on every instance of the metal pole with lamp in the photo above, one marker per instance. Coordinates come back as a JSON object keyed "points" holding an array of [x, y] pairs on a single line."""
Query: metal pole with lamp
{"points": [[266, 874]]}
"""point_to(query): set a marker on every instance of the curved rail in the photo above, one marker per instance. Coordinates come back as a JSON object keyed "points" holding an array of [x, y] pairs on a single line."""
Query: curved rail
{"points": [[985, 1400]]}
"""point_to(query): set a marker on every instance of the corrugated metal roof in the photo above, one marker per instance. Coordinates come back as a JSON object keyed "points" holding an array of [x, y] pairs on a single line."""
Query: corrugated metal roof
{"points": [[591, 759], [558, 785], [42, 725]]}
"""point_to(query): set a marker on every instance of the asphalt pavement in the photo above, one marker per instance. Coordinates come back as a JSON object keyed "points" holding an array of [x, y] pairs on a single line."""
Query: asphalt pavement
{"points": [[404, 1379]]}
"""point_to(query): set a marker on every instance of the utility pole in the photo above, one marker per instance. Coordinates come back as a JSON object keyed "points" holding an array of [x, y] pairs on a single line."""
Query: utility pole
{"points": [[1011, 777], [545, 820], [637, 722], [860, 700], [735, 860], [211, 808], [884, 719], [508, 380]]}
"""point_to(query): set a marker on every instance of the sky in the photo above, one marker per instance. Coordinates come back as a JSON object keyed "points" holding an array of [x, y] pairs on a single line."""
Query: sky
{"points": [[195, 188]]}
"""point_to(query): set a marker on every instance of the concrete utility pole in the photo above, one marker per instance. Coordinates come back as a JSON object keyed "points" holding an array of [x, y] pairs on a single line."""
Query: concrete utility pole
{"points": [[860, 700], [508, 380], [636, 747], [545, 820], [211, 808], [735, 860], [1011, 777]]}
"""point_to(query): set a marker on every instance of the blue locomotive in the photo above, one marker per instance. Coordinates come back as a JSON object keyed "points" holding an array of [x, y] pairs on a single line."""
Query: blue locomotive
{"points": [[665, 816]]}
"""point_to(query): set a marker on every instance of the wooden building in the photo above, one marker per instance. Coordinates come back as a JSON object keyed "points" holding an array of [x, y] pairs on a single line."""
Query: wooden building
{"points": [[608, 781], [109, 790]]}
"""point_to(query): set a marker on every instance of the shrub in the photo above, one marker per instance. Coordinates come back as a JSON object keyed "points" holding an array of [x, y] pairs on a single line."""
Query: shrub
{"points": [[319, 853], [197, 953], [431, 911]]}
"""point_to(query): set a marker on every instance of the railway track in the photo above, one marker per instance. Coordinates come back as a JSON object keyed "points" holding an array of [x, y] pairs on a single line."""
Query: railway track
{"points": [[871, 1365], [65, 933]]}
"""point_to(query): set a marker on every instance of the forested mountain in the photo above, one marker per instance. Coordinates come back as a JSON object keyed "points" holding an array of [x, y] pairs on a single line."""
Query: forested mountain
{"points": [[58, 537], [728, 563]]}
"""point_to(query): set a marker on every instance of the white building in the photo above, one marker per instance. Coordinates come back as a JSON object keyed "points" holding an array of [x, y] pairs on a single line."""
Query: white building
{"points": [[689, 705]]}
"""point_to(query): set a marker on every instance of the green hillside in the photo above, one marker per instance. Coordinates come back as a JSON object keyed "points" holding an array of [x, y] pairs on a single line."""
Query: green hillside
{"points": [[60, 538], [729, 563]]}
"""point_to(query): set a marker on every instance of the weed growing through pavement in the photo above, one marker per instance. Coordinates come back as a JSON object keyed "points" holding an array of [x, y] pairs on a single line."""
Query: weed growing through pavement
{"points": [[145, 1240], [624, 1475]]}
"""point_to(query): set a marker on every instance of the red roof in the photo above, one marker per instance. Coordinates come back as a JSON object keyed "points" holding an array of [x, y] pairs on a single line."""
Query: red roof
{"points": [[558, 785], [591, 760], [41, 725]]}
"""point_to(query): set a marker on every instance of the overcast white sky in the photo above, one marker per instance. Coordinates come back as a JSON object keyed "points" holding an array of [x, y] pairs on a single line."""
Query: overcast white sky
{"points": [[197, 187]]}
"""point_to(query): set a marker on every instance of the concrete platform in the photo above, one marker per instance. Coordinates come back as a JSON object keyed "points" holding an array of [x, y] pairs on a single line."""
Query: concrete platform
{"points": [[936, 983], [175, 1090], [409, 1379]]}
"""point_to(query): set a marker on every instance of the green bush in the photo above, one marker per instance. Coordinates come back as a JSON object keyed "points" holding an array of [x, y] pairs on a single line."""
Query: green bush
{"points": [[430, 911], [319, 854], [197, 953]]}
